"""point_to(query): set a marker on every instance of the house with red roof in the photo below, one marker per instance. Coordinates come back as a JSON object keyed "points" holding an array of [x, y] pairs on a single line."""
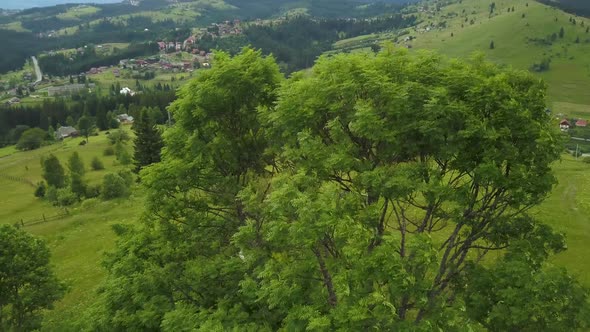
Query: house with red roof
{"points": [[581, 123], [564, 125]]}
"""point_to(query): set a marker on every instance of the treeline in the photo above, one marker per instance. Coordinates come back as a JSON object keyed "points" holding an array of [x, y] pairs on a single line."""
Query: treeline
{"points": [[62, 65], [577, 7], [297, 42], [15, 120]]}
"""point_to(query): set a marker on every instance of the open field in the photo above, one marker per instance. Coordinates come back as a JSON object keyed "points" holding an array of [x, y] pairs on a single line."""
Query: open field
{"points": [[521, 38], [77, 239], [566, 210], [78, 12]]}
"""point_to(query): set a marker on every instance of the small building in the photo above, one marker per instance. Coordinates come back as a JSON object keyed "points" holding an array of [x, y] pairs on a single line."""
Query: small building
{"points": [[13, 100], [65, 132], [564, 125], [127, 92], [581, 123], [125, 119], [68, 89]]}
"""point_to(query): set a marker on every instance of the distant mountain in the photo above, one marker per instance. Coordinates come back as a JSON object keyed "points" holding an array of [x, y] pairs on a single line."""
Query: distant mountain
{"points": [[24, 4]]}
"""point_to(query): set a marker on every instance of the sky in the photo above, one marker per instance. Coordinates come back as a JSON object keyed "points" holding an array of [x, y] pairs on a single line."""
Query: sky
{"points": [[22, 4]]}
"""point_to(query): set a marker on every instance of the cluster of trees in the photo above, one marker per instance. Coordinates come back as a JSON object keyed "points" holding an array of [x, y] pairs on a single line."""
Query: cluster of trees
{"points": [[61, 64], [365, 194], [299, 41], [64, 189], [14, 120], [541, 66]]}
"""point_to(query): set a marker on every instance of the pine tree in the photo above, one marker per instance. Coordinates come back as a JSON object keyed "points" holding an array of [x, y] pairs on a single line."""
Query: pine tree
{"points": [[102, 122], [85, 126], [148, 141], [76, 168], [75, 164], [561, 32], [492, 46]]}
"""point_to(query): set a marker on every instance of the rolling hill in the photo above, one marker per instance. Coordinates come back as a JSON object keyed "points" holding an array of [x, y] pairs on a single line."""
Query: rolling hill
{"points": [[525, 35]]}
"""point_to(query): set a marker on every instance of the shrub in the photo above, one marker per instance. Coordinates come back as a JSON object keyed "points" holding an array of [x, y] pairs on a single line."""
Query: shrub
{"points": [[109, 151], [83, 143], [89, 203], [123, 156], [51, 194], [586, 160], [41, 189], [118, 136], [126, 175], [65, 197], [31, 139], [92, 191], [114, 186], [96, 164]]}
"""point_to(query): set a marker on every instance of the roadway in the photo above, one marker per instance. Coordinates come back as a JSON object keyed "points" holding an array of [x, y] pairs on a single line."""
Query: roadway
{"points": [[37, 70]]}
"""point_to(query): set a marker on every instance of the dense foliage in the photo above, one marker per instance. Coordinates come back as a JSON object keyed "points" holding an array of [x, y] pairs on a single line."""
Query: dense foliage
{"points": [[147, 142], [299, 41], [363, 195], [15, 120], [28, 285]]}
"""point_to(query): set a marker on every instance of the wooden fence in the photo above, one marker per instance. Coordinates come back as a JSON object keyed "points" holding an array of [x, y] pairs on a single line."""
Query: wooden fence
{"points": [[18, 179], [43, 219]]}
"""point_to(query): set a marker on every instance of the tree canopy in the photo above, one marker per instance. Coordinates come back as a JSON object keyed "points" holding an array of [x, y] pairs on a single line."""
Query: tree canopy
{"points": [[27, 282], [53, 171], [363, 194]]}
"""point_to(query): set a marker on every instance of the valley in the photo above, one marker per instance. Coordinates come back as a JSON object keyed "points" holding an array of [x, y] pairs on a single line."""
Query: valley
{"points": [[106, 61]]}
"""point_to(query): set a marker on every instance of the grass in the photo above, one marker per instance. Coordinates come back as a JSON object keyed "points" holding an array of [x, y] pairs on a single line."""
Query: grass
{"points": [[571, 110], [513, 37], [516, 40], [15, 26], [78, 12], [566, 210], [77, 241]]}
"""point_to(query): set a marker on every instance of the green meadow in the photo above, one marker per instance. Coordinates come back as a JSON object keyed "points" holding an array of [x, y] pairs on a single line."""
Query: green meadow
{"points": [[78, 237]]}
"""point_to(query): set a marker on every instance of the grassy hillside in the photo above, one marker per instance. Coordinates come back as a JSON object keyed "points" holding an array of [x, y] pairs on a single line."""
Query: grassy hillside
{"points": [[521, 38], [524, 33], [78, 238]]}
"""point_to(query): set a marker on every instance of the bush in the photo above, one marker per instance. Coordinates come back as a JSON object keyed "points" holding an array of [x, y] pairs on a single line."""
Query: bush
{"points": [[114, 186], [83, 143], [41, 190], [586, 160], [31, 139], [89, 203], [123, 156], [92, 191], [118, 136], [109, 151], [126, 175], [51, 194], [96, 164], [65, 197]]}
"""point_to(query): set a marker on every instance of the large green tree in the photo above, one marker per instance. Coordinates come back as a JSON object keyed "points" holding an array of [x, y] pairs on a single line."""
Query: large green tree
{"points": [[53, 171], [148, 140], [27, 283], [77, 171], [85, 126], [365, 194], [31, 139]]}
